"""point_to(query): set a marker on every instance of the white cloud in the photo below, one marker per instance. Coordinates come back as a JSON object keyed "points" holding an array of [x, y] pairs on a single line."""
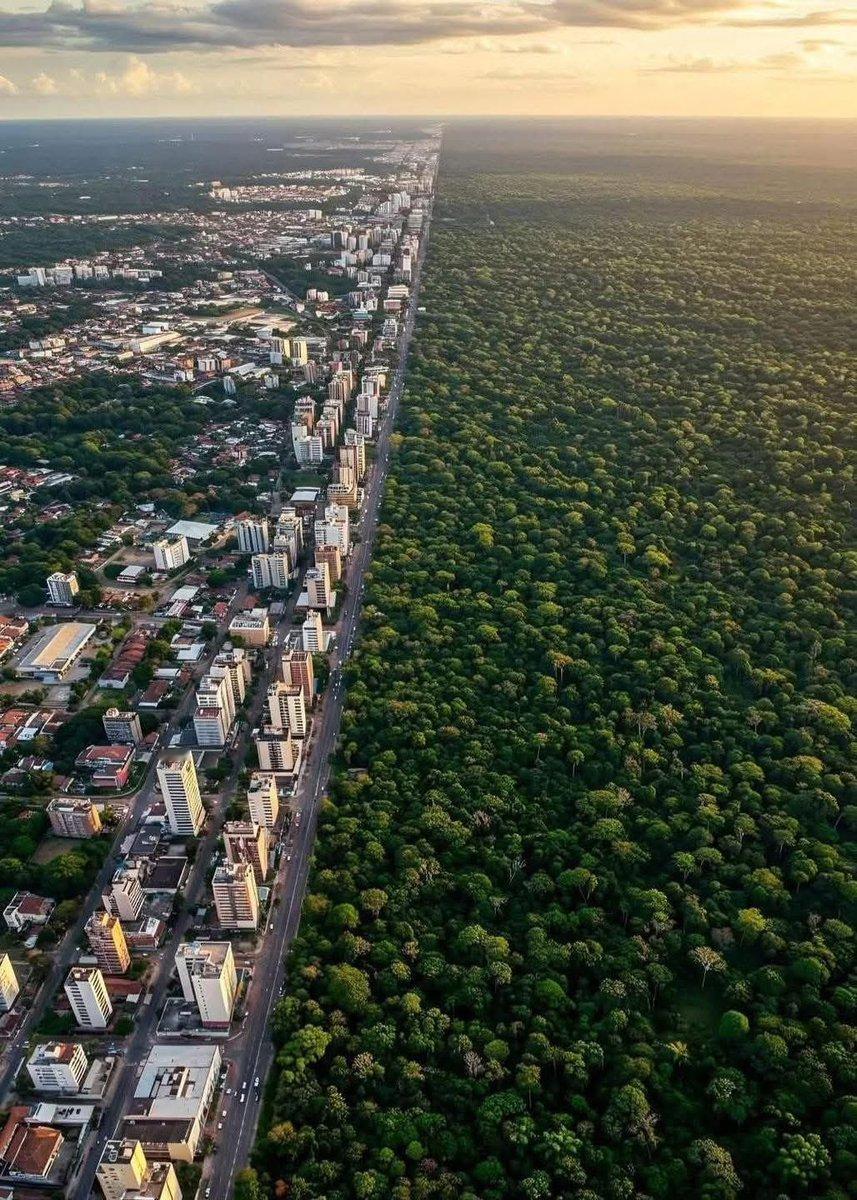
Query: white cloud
{"points": [[139, 79], [7, 87], [43, 85]]}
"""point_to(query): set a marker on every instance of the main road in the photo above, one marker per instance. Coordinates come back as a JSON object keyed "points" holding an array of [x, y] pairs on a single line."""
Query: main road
{"points": [[252, 1052]]}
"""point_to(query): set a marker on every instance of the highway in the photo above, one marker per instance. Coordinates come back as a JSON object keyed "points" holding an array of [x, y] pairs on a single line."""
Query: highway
{"points": [[252, 1052], [65, 954]]}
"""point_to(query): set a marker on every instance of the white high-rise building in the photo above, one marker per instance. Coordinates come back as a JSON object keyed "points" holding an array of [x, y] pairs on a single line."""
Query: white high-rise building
{"points": [[124, 896], [58, 1067], [9, 986], [169, 556], [236, 896], [334, 529], [288, 535], [62, 588], [312, 633], [233, 665], [207, 975], [210, 727], [180, 789], [272, 571], [263, 799], [254, 536], [308, 448], [287, 708], [87, 995]]}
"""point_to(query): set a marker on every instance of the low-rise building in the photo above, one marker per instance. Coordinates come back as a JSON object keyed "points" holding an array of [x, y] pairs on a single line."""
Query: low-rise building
{"points": [[252, 627], [28, 1152], [25, 909], [51, 654], [172, 1099], [107, 767]]}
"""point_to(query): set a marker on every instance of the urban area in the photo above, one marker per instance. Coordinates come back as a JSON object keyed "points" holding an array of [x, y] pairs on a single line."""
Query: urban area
{"points": [[170, 699]]}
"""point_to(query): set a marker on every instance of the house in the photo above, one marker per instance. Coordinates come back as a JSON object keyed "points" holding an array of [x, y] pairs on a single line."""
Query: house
{"points": [[25, 909], [107, 767]]}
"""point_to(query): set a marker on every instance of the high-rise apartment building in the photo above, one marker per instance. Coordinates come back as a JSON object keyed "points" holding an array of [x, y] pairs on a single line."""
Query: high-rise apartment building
{"points": [[271, 571], [312, 633], [9, 986], [334, 529], [107, 940], [169, 556], [210, 728], [254, 535], [87, 995], [122, 728], [244, 842], [236, 897], [73, 817], [332, 558], [62, 589], [58, 1067], [276, 751], [125, 1173], [180, 789], [287, 708], [296, 669], [207, 975], [124, 895], [319, 592], [215, 691], [263, 799]]}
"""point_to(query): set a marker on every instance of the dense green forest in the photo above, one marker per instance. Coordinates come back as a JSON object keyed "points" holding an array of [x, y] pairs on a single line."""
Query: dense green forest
{"points": [[580, 919]]}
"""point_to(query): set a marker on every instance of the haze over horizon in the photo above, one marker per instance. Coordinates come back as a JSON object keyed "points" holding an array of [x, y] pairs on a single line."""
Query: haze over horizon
{"points": [[714, 58]]}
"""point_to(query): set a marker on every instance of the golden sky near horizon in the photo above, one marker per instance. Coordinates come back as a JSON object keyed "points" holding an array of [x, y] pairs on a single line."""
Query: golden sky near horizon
{"points": [[86, 58]]}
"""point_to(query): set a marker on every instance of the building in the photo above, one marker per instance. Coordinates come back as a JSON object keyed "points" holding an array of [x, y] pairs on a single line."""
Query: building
{"points": [[124, 1173], [9, 986], [107, 939], [287, 709], [28, 1152], [276, 751], [62, 589], [288, 535], [312, 633], [330, 556], [180, 789], [215, 691], [108, 767], [319, 592], [25, 909], [254, 536], [87, 995], [263, 800], [234, 665], [210, 727], [355, 452], [208, 977], [236, 896], [51, 654], [271, 571], [171, 1100], [245, 842], [296, 669], [334, 529], [252, 627], [122, 728], [308, 448], [169, 556], [73, 817], [58, 1067], [124, 897]]}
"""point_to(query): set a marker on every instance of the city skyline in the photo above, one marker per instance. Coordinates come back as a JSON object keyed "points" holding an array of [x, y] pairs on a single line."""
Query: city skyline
{"points": [[716, 58]]}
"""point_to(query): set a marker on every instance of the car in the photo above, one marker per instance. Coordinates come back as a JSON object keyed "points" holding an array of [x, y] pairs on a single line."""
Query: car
{"points": [[256, 1084], [219, 1125], [241, 1101], [207, 1192], [229, 1091], [223, 1113]]}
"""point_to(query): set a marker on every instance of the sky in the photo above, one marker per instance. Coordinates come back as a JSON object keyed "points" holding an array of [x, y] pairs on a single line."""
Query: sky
{"points": [[133, 58]]}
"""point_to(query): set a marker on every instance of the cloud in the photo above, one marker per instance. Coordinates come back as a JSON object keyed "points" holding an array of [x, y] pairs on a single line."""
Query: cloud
{"points": [[150, 26], [787, 62], [837, 16], [139, 79], [7, 87], [43, 85]]}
